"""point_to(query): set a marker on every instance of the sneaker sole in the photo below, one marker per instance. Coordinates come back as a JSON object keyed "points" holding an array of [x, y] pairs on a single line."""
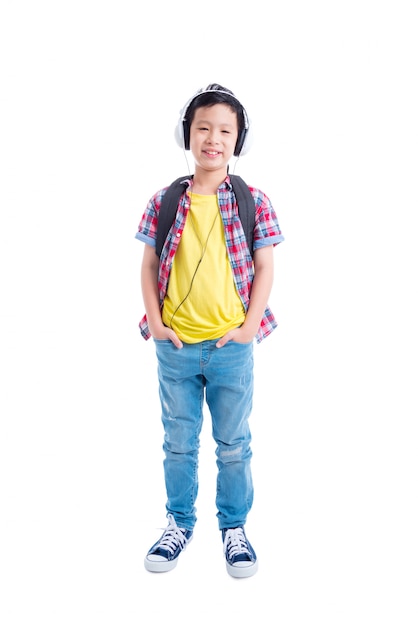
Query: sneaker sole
{"points": [[242, 572], [159, 566]]}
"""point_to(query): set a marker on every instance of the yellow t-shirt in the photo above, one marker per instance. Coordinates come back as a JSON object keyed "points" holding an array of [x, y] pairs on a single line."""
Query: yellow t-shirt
{"points": [[202, 301]]}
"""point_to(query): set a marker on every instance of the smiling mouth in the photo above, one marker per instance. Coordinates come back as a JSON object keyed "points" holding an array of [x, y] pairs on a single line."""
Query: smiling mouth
{"points": [[212, 153]]}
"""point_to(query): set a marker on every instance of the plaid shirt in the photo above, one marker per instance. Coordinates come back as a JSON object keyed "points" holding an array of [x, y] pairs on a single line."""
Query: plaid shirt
{"points": [[266, 232]]}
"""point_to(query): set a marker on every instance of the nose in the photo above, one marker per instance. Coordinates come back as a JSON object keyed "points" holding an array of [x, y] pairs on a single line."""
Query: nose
{"points": [[213, 136]]}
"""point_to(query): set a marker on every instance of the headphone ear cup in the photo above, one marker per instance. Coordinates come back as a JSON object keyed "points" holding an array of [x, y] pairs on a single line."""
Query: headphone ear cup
{"points": [[244, 142], [182, 134], [179, 133]]}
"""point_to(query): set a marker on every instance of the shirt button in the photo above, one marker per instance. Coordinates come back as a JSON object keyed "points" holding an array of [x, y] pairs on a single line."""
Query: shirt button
{"points": [[177, 234]]}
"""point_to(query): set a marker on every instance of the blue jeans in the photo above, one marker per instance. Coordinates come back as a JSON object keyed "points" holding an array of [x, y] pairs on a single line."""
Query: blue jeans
{"points": [[224, 377]]}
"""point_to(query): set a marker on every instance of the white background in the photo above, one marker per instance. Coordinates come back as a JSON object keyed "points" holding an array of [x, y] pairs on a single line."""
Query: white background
{"points": [[90, 95]]}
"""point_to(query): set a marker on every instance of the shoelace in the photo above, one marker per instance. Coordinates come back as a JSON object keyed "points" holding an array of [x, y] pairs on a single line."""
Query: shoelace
{"points": [[235, 542], [172, 537]]}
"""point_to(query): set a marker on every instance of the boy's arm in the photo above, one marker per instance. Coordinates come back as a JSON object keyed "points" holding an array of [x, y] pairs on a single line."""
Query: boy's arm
{"points": [[150, 295], [260, 292]]}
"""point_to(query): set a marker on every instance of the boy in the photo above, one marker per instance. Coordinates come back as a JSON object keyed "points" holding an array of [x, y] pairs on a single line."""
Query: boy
{"points": [[206, 301]]}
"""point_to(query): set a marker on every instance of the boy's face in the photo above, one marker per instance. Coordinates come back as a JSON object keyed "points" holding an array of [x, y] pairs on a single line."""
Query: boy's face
{"points": [[213, 136]]}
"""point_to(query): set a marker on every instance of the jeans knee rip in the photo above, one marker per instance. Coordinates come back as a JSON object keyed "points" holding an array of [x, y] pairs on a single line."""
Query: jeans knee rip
{"points": [[230, 453]]}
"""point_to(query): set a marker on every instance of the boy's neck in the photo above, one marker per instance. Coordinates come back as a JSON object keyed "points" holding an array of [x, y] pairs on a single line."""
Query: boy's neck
{"points": [[207, 183]]}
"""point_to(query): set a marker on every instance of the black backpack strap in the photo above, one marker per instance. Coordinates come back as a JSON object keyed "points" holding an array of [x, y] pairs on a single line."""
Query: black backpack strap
{"points": [[168, 210], [246, 208]]}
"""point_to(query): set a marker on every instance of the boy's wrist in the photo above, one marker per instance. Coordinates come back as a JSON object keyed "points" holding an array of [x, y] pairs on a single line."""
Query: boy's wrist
{"points": [[156, 327]]}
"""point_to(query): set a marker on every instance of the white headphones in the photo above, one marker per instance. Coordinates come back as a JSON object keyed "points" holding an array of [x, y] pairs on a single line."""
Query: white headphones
{"points": [[182, 130]]}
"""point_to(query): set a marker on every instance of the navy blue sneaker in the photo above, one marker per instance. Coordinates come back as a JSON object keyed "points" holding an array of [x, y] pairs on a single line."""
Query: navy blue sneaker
{"points": [[241, 560], [163, 555]]}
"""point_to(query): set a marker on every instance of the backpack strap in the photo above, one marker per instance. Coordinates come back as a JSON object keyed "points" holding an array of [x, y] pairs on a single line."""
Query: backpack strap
{"points": [[168, 210], [170, 201], [246, 208]]}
